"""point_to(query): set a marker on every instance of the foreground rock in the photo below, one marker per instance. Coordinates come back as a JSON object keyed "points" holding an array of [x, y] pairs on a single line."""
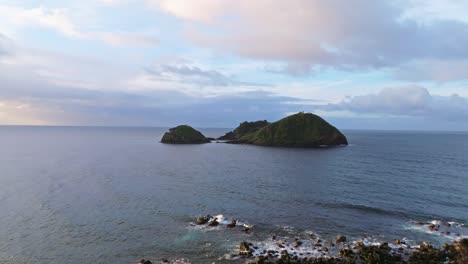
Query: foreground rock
{"points": [[184, 135], [340, 239], [299, 130], [456, 253], [245, 250]]}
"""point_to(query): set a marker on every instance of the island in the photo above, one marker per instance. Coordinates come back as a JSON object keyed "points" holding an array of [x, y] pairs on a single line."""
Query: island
{"points": [[298, 130], [184, 134]]}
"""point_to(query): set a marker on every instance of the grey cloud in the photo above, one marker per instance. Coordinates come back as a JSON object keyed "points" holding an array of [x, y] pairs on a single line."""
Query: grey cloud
{"points": [[6, 46], [38, 90], [193, 75], [141, 110], [77, 106], [408, 107], [408, 101], [436, 70]]}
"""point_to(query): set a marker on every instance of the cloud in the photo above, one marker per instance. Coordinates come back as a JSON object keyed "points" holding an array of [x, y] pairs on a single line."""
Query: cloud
{"points": [[31, 65], [192, 74], [127, 38], [5, 45], [206, 10], [60, 20], [55, 19], [78, 81], [352, 35], [45, 103], [17, 113], [187, 73], [433, 70], [406, 101], [111, 2], [40, 87], [429, 11]]}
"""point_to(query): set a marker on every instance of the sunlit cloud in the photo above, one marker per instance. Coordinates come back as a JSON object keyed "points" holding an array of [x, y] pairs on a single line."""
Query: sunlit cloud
{"points": [[59, 20]]}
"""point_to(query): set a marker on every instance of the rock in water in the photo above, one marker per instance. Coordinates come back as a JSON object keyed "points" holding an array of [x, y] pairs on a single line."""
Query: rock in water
{"points": [[244, 249], [299, 130], [340, 239], [184, 135], [296, 243], [203, 219], [214, 222], [232, 224]]}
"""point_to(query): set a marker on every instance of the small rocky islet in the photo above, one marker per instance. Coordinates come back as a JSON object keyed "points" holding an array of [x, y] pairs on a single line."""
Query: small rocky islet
{"points": [[298, 130], [184, 134]]}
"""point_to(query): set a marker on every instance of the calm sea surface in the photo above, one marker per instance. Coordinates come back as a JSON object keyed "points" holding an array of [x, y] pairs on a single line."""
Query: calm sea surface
{"points": [[115, 195]]}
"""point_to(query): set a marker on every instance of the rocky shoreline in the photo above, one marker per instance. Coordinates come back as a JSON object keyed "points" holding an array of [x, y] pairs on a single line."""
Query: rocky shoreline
{"points": [[358, 252], [310, 248]]}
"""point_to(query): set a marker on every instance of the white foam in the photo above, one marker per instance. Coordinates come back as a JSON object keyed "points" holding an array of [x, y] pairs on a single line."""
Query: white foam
{"points": [[180, 261], [222, 220], [452, 230], [289, 229], [306, 249]]}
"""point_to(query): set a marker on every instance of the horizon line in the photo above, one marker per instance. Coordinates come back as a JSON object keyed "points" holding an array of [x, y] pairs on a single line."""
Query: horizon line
{"points": [[202, 127]]}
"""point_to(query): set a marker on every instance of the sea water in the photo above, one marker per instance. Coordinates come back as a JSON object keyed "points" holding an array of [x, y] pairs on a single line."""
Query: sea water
{"points": [[116, 195]]}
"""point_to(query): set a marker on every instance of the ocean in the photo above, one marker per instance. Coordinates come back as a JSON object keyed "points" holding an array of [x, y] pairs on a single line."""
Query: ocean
{"points": [[116, 195]]}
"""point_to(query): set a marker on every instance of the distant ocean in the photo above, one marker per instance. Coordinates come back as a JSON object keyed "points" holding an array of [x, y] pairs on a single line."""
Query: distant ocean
{"points": [[116, 195]]}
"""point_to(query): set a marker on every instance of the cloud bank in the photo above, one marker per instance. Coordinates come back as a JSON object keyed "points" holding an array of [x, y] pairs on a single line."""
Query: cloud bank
{"points": [[406, 101], [309, 34]]}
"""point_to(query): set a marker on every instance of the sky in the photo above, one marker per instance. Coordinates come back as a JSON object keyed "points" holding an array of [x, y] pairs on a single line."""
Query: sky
{"points": [[360, 64]]}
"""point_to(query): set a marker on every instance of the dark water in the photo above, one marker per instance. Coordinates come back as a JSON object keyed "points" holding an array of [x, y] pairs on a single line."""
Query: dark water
{"points": [[115, 195]]}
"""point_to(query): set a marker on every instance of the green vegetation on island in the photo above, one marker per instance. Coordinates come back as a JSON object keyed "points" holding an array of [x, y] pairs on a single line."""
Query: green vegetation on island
{"points": [[298, 130], [245, 128], [184, 135]]}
